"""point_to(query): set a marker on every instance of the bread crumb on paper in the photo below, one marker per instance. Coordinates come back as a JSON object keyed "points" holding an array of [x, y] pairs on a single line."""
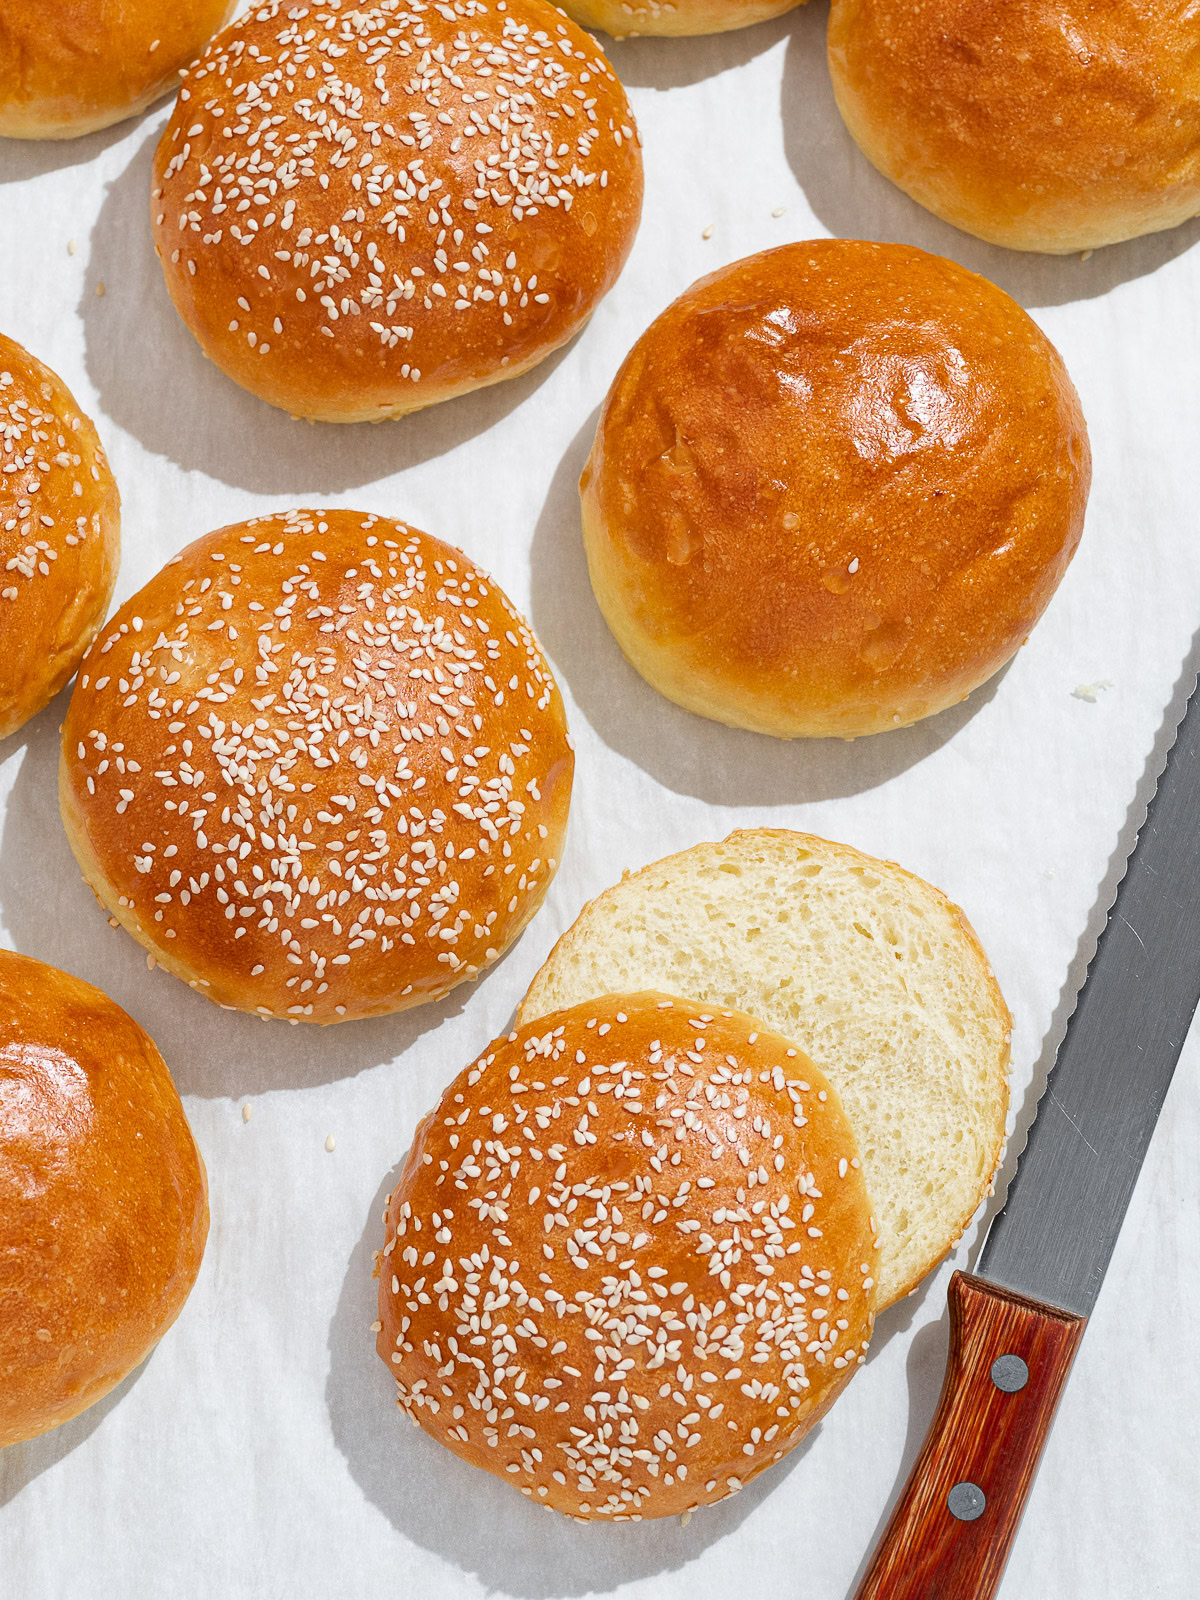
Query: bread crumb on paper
{"points": [[1091, 692], [247, 1111], [330, 1142]]}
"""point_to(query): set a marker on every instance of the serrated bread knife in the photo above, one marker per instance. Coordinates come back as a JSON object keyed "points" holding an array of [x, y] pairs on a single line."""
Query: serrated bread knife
{"points": [[1016, 1323]]}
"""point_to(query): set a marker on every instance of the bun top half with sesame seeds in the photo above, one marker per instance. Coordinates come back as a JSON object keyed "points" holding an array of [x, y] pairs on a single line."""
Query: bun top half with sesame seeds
{"points": [[362, 209], [60, 534], [628, 1262], [319, 767], [69, 67]]}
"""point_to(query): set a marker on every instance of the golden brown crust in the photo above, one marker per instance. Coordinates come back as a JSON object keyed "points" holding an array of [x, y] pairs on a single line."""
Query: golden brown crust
{"points": [[68, 67], [832, 489], [673, 18], [628, 1261], [1041, 126], [438, 203], [677, 880], [60, 521], [103, 1198], [318, 766]]}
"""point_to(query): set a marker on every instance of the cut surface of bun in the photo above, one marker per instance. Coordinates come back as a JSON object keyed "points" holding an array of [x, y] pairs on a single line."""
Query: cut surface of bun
{"points": [[70, 67], [60, 538], [103, 1199], [318, 766], [628, 1263], [868, 969], [1052, 125], [832, 489], [438, 199]]}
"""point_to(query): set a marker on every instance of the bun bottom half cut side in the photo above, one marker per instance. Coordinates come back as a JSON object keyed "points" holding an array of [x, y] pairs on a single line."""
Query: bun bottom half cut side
{"points": [[865, 967], [628, 1263]]}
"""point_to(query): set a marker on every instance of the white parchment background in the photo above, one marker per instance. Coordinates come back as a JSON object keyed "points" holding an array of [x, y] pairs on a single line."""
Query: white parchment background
{"points": [[257, 1453]]}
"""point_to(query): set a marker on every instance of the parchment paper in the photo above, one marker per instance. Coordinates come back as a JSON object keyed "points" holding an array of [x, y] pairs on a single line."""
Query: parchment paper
{"points": [[258, 1452]]}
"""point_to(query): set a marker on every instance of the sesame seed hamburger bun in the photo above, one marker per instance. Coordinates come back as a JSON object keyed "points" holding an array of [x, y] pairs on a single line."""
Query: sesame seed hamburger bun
{"points": [[60, 538], [1053, 125], [867, 968], [674, 18], [103, 1199], [69, 67], [629, 1261], [435, 199], [832, 489], [318, 767]]}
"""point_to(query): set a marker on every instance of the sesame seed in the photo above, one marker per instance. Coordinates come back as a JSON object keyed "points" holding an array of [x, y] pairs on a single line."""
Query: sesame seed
{"points": [[339, 197], [307, 710], [668, 1319]]}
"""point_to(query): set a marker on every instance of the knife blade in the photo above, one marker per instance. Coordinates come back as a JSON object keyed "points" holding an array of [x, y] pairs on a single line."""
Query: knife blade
{"points": [[1016, 1323]]}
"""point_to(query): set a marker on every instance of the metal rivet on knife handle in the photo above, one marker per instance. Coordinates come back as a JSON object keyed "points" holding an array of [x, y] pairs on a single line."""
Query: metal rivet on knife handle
{"points": [[966, 1501], [1009, 1373]]}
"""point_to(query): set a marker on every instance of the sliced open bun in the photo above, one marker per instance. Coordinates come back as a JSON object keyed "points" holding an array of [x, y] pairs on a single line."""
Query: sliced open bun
{"points": [[874, 973]]}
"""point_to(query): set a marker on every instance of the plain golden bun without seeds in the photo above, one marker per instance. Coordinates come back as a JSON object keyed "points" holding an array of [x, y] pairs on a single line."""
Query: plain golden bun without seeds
{"points": [[832, 489], [629, 1260], [60, 540], [69, 67], [364, 209], [869, 969], [1042, 125], [674, 18], [318, 767], [103, 1200]]}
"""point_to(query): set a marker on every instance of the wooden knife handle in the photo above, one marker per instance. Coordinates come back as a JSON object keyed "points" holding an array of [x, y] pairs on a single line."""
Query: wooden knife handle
{"points": [[954, 1524]]}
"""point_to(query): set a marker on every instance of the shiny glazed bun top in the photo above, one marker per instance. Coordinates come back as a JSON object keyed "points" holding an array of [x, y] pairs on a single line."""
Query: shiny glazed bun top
{"points": [[68, 67], [628, 1263], [103, 1200], [318, 766], [59, 534], [1052, 125], [832, 489], [363, 209]]}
